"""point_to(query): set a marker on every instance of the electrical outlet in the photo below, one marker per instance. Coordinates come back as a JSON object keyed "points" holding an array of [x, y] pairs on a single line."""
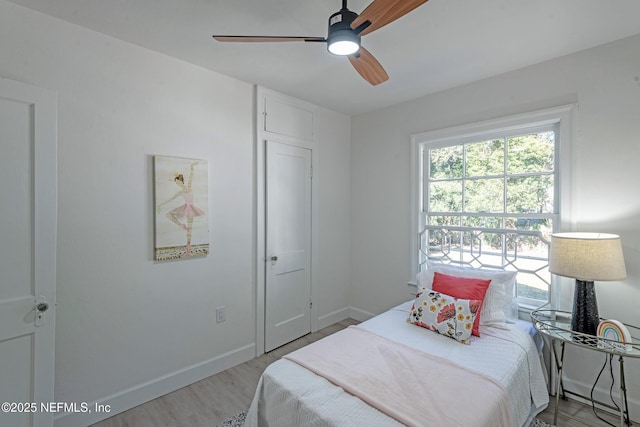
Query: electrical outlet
{"points": [[220, 314]]}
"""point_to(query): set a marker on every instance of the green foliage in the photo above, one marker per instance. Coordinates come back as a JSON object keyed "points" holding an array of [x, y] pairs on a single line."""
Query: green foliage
{"points": [[445, 196], [524, 164], [482, 168], [446, 163], [485, 158], [496, 184], [531, 153]]}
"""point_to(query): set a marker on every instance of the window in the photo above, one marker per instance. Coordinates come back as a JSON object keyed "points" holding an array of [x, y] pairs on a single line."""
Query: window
{"points": [[488, 195]]}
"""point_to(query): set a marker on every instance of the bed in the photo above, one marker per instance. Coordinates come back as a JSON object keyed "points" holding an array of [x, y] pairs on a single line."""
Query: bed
{"points": [[478, 366]]}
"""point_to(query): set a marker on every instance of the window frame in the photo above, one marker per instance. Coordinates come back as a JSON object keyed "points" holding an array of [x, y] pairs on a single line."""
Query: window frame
{"points": [[561, 118]]}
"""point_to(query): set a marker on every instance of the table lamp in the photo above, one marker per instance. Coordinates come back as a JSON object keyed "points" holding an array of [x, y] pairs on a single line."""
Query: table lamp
{"points": [[586, 257]]}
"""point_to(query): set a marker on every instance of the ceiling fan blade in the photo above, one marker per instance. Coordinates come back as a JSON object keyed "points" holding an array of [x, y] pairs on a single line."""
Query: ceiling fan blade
{"points": [[383, 12], [368, 67], [268, 39]]}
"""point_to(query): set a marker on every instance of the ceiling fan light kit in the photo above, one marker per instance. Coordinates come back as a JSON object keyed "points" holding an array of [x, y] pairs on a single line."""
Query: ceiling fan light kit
{"points": [[343, 47], [345, 31], [342, 39]]}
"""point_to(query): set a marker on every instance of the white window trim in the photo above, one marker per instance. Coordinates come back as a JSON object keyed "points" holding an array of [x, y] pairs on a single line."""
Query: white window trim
{"points": [[563, 116]]}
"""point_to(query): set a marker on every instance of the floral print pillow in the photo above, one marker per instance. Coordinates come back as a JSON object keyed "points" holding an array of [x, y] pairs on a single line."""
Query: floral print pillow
{"points": [[444, 314]]}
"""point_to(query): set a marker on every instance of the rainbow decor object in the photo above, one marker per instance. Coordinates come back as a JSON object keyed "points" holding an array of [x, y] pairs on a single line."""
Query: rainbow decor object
{"points": [[616, 334]]}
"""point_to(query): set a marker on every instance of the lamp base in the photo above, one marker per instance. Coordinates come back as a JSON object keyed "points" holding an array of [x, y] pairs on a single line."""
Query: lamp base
{"points": [[585, 318]]}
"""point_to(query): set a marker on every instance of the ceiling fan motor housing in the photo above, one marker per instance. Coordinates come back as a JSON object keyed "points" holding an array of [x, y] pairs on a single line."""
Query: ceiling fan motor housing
{"points": [[340, 28]]}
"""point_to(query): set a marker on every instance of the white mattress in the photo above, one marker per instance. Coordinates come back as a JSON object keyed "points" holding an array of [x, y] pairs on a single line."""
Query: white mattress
{"points": [[289, 395]]}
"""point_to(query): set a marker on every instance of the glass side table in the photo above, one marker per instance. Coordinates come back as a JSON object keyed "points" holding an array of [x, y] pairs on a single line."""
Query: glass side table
{"points": [[556, 325]]}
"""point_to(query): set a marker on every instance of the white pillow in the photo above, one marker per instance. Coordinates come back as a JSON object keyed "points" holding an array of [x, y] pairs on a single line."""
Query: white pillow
{"points": [[497, 306]]}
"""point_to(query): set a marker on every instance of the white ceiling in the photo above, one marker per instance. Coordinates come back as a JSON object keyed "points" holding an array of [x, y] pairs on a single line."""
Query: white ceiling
{"points": [[442, 44]]}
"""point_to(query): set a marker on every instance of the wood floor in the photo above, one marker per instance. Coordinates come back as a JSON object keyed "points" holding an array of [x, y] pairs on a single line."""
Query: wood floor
{"points": [[575, 414], [213, 400]]}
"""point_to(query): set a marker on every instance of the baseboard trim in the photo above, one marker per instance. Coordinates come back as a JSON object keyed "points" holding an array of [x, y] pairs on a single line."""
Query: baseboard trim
{"points": [[342, 314], [333, 317], [601, 394], [127, 399], [359, 315]]}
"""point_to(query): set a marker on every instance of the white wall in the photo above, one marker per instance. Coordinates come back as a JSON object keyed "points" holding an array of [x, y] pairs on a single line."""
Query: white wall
{"points": [[334, 211], [129, 328], [123, 319], [604, 82]]}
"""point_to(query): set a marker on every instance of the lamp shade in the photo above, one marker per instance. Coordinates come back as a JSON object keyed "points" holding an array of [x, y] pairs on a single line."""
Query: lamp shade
{"points": [[587, 256]]}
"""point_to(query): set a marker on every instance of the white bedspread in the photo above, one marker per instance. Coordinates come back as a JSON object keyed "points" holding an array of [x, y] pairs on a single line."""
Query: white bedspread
{"points": [[289, 395]]}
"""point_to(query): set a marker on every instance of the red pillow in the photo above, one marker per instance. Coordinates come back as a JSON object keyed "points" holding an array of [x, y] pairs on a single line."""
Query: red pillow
{"points": [[464, 288]]}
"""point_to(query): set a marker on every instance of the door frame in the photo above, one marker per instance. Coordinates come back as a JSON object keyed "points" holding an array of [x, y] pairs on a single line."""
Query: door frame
{"points": [[262, 135], [45, 134]]}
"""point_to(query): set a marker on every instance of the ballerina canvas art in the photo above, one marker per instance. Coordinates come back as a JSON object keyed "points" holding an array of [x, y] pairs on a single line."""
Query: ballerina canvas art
{"points": [[181, 223]]}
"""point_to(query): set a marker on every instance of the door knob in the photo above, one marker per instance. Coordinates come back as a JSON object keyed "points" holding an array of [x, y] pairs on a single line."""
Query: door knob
{"points": [[274, 258], [42, 307]]}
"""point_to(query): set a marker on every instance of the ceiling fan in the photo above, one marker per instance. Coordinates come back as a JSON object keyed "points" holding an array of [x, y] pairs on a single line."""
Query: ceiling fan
{"points": [[345, 30]]}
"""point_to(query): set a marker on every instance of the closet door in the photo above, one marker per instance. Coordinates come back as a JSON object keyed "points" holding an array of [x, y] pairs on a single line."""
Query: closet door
{"points": [[288, 244]]}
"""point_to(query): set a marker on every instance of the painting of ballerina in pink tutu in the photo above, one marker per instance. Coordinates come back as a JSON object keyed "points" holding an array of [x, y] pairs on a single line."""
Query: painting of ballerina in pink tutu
{"points": [[181, 223]]}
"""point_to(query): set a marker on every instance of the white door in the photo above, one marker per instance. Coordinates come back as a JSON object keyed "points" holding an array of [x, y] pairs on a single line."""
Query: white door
{"points": [[27, 252], [288, 244]]}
